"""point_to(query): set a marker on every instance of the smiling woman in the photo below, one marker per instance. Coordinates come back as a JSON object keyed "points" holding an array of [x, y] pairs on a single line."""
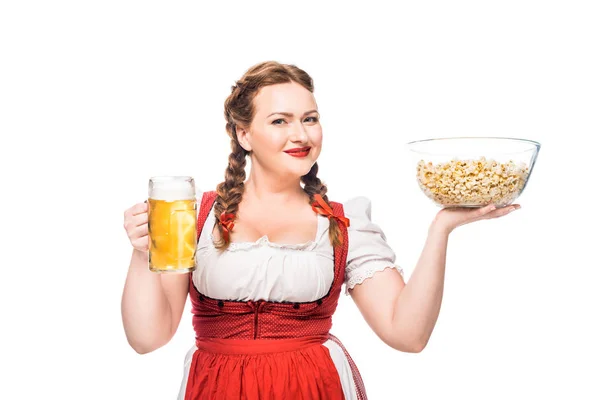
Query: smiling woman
{"points": [[272, 256], [280, 306]]}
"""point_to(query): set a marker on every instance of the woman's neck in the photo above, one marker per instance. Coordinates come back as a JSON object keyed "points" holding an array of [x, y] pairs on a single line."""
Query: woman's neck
{"points": [[274, 191]]}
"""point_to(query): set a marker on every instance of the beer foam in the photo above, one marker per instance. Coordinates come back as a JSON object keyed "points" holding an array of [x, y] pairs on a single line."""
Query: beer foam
{"points": [[172, 188]]}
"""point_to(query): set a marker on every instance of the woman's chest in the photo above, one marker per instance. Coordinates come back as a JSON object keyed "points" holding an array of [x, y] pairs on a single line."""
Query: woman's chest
{"points": [[264, 271], [279, 226]]}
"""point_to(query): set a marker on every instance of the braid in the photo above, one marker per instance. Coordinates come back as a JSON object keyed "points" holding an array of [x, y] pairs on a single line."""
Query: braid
{"points": [[229, 192], [312, 186]]}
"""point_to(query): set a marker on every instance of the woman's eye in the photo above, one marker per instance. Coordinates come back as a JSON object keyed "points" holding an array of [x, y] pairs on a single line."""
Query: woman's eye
{"points": [[281, 121]]}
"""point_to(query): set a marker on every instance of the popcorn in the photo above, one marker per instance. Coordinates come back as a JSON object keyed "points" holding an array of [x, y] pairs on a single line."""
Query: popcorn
{"points": [[472, 182]]}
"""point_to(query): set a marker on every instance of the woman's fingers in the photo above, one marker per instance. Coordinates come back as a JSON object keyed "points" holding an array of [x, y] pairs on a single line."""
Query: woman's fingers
{"points": [[135, 216], [141, 243], [487, 209], [139, 219], [138, 232], [136, 209], [136, 226], [500, 212]]}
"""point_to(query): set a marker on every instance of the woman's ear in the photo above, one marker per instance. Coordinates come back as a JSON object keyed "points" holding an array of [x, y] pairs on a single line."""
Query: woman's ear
{"points": [[243, 137]]}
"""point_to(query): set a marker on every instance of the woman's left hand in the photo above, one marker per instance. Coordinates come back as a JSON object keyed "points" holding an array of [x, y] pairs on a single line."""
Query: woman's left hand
{"points": [[451, 218]]}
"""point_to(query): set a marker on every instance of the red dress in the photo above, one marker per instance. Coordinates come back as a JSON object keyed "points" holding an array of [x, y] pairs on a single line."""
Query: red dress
{"points": [[266, 350]]}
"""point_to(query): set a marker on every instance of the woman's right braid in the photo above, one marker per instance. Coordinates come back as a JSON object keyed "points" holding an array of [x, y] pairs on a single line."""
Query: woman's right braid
{"points": [[229, 192]]}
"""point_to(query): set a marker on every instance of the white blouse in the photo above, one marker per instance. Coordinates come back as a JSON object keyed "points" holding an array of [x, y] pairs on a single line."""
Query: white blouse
{"points": [[291, 272]]}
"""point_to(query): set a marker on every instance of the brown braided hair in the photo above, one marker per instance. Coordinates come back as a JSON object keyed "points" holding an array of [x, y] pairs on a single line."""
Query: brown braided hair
{"points": [[239, 110]]}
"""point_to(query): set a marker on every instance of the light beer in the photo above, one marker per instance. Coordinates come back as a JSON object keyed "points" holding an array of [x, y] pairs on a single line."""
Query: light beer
{"points": [[172, 224]]}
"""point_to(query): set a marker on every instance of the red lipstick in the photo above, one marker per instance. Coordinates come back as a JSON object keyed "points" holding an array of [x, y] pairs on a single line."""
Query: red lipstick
{"points": [[299, 151]]}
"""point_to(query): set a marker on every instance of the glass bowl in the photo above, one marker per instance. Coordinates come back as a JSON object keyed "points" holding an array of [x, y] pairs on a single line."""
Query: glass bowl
{"points": [[473, 171]]}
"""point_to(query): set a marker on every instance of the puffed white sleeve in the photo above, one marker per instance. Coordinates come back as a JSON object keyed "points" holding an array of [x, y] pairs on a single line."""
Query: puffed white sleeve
{"points": [[368, 250]]}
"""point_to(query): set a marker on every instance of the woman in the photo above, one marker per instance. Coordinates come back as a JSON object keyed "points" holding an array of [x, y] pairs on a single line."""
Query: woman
{"points": [[267, 279]]}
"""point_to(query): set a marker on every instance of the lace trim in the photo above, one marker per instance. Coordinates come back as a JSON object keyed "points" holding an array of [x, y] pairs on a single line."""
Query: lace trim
{"points": [[264, 241], [369, 273]]}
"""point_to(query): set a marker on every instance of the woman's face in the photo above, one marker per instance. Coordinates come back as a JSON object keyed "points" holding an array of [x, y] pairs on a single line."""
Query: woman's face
{"points": [[286, 117]]}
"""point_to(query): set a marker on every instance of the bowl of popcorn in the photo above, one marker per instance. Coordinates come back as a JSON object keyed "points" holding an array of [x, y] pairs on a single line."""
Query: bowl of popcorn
{"points": [[473, 171]]}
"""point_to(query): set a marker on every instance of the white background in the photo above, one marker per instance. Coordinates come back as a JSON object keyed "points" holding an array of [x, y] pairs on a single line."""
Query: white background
{"points": [[95, 97]]}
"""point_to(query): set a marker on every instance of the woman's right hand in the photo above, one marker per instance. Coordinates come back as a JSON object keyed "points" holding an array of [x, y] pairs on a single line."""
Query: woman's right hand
{"points": [[136, 226]]}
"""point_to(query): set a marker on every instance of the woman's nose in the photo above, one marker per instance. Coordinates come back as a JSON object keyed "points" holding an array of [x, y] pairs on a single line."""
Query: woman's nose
{"points": [[299, 133]]}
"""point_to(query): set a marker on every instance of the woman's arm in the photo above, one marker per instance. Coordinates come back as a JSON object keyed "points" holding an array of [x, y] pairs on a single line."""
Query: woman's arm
{"points": [[152, 304], [402, 314]]}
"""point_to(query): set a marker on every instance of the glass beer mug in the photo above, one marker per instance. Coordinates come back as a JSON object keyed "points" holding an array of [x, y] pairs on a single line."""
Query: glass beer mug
{"points": [[172, 224]]}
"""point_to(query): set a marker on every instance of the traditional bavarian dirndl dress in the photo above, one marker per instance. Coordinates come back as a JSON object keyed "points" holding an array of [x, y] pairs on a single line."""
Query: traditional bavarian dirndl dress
{"points": [[262, 311]]}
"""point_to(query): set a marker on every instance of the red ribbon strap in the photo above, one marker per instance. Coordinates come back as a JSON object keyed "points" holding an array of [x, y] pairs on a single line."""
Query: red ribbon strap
{"points": [[321, 207], [226, 221]]}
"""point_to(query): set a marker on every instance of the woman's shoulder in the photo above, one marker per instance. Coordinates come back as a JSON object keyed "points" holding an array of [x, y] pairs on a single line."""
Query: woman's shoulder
{"points": [[358, 207]]}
